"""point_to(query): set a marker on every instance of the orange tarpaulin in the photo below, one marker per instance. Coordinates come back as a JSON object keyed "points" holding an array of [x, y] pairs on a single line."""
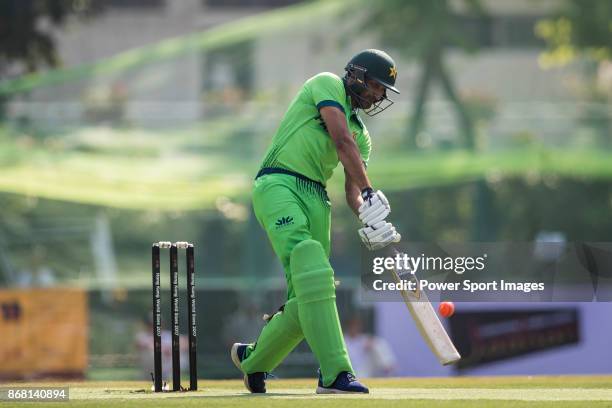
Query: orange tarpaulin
{"points": [[43, 332]]}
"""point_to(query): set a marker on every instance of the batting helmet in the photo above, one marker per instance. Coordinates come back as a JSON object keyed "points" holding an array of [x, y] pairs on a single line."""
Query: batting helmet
{"points": [[376, 65]]}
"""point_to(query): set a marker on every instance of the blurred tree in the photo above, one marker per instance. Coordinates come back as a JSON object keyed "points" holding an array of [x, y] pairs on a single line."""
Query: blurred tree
{"points": [[26, 33], [581, 28], [423, 30]]}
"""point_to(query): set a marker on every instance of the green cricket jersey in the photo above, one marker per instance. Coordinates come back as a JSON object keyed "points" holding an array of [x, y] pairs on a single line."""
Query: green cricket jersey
{"points": [[301, 143]]}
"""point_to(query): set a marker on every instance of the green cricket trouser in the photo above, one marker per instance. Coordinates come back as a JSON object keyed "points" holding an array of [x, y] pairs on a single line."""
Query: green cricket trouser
{"points": [[295, 214]]}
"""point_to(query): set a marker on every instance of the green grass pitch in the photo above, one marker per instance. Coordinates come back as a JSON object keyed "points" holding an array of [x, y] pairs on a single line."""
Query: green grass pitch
{"points": [[500, 392]]}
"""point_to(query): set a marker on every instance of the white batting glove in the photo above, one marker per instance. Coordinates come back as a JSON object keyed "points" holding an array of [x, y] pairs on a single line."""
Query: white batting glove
{"points": [[379, 235], [375, 207]]}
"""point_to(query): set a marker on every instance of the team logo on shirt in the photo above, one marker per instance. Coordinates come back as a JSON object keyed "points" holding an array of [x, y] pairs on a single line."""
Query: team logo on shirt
{"points": [[284, 221]]}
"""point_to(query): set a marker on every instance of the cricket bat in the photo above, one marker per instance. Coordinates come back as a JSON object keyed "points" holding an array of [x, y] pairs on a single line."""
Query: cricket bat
{"points": [[426, 320]]}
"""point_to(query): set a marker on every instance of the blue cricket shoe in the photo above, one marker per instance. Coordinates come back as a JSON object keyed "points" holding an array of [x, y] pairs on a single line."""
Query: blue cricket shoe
{"points": [[256, 382], [345, 383]]}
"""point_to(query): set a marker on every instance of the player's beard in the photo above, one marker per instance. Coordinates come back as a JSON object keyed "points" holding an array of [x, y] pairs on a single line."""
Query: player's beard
{"points": [[367, 106], [373, 108]]}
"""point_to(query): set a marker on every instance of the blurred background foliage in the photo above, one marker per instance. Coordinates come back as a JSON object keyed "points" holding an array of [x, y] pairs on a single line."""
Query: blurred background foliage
{"points": [[180, 178]]}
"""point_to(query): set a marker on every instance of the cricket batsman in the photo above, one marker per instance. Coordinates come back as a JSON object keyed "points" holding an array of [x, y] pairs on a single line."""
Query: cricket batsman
{"points": [[320, 128]]}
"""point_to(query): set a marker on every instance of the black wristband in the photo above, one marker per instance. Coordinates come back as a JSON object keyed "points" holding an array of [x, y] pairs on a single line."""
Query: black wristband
{"points": [[367, 193]]}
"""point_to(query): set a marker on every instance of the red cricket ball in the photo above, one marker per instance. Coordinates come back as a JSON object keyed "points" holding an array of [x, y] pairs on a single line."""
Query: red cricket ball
{"points": [[446, 309]]}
